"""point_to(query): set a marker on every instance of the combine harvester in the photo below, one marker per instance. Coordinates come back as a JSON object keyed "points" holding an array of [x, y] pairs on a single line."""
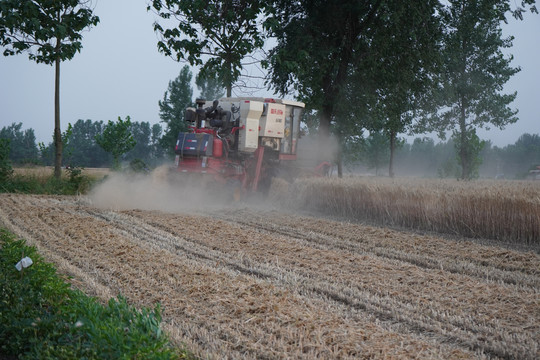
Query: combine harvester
{"points": [[243, 143]]}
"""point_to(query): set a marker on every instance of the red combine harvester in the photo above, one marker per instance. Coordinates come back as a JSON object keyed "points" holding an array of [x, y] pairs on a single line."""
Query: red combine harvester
{"points": [[243, 142]]}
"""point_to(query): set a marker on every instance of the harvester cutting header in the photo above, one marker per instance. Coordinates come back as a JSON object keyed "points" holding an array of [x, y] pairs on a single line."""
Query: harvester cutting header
{"points": [[242, 141]]}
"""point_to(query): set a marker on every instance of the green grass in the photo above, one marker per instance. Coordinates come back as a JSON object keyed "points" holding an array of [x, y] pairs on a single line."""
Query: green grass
{"points": [[42, 317]]}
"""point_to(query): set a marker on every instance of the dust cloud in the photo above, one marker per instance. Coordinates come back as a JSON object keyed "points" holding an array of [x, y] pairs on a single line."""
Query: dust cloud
{"points": [[312, 151], [162, 190]]}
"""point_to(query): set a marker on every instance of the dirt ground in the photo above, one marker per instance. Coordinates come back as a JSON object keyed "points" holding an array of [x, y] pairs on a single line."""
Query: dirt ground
{"points": [[243, 282]]}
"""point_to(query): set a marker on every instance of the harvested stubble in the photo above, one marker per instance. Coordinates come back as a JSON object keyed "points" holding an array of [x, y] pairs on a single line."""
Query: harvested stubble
{"points": [[500, 210], [261, 284]]}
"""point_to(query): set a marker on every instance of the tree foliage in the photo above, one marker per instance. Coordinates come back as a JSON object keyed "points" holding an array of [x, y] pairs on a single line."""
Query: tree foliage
{"points": [[468, 147], [210, 86], [368, 64], [50, 32], [317, 42], [46, 30], [141, 134], [475, 71], [83, 147], [215, 34], [376, 151], [147, 149], [171, 110], [423, 157], [22, 143], [515, 160], [157, 150], [117, 139], [402, 67]]}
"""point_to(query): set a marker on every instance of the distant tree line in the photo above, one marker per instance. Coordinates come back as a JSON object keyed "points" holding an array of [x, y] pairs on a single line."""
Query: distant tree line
{"points": [[81, 147], [88, 143], [423, 157], [426, 158]]}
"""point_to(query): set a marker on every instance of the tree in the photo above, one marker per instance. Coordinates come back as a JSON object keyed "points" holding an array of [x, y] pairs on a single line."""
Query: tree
{"points": [[157, 150], [322, 45], [222, 33], [403, 65], [522, 156], [316, 41], [84, 150], [421, 160], [50, 31], [171, 110], [116, 139], [528, 146], [211, 88], [376, 151], [468, 147], [141, 134], [475, 70], [23, 143], [79, 146]]}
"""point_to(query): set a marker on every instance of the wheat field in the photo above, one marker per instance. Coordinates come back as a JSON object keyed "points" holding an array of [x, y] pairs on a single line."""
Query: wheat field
{"points": [[498, 210], [244, 282]]}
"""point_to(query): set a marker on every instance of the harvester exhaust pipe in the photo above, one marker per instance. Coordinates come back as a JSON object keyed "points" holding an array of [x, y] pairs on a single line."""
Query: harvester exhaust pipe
{"points": [[200, 112]]}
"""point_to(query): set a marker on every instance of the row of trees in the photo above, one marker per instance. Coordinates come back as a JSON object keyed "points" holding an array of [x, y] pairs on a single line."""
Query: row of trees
{"points": [[89, 143], [426, 158], [423, 157], [388, 67]]}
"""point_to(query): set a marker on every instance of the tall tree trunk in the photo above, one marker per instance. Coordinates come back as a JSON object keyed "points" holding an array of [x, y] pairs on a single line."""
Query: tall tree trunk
{"points": [[57, 132], [325, 150], [392, 149], [228, 76], [465, 168], [324, 124]]}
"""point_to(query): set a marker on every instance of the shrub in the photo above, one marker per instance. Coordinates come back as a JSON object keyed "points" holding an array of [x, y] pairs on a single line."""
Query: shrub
{"points": [[76, 180]]}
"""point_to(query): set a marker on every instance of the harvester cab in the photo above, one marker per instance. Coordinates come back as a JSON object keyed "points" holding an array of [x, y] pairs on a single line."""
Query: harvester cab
{"points": [[245, 141]]}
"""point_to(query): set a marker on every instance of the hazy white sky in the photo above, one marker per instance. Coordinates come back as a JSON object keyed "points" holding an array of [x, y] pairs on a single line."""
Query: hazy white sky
{"points": [[119, 72]]}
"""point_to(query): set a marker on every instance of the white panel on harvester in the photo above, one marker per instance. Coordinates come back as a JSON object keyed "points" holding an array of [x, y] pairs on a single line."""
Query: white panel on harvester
{"points": [[273, 121], [250, 114]]}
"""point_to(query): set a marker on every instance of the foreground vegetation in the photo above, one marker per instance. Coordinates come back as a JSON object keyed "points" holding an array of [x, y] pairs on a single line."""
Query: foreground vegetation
{"points": [[41, 317], [498, 210]]}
